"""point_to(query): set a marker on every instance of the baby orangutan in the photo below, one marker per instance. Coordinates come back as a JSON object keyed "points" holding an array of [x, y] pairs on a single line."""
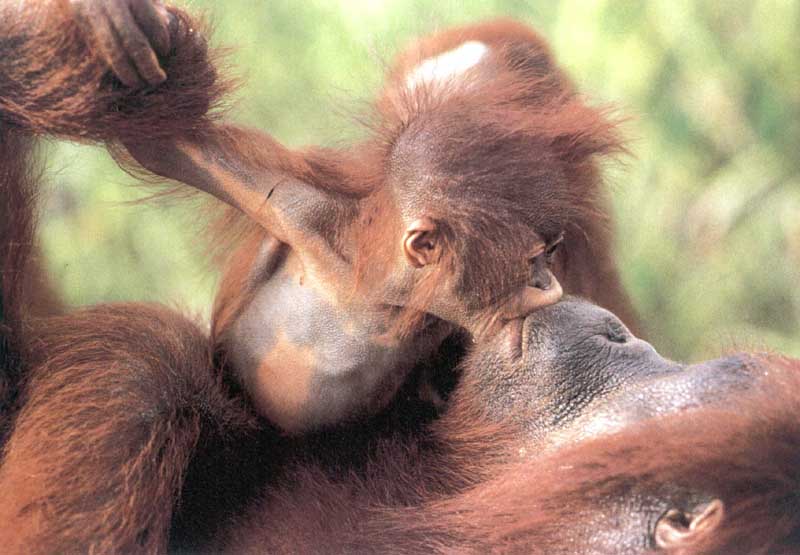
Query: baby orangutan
{"points": [[479, 163]]}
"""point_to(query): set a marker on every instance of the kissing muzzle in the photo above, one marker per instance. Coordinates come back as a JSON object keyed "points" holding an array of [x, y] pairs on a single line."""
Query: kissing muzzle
{"points": [[530, 298]]}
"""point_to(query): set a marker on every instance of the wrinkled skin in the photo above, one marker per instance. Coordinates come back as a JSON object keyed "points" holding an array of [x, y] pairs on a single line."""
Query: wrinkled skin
{"points": [[168, 431], [579, 367], [572, 372], [311, 350]]}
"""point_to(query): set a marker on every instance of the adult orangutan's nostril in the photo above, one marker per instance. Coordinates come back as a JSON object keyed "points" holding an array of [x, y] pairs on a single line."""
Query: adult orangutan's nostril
{"points": [[616, 333]]}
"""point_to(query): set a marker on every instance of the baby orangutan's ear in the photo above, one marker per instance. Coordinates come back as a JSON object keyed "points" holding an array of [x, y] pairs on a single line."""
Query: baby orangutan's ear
{"points": [[421, 243], [679, 531]]}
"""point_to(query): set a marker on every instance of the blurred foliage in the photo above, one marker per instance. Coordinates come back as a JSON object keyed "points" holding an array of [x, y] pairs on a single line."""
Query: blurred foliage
{"points": [[707, 209]]}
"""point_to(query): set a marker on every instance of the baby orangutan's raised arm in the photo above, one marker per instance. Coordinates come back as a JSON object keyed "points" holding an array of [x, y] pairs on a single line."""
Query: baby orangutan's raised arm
{"points": [[448, 216]]}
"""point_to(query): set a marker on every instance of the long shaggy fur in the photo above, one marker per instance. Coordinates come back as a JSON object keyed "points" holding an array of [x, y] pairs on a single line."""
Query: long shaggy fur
{"points": [[112, 411], [452, 499], [500, 152], [516, 150], [128, 440], [52, 84]]}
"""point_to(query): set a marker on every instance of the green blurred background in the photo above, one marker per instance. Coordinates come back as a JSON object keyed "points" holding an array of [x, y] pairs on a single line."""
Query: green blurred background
{"points": [[707, 210]]}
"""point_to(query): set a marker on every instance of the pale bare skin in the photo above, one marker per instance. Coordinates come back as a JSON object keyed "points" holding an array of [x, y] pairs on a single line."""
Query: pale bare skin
{"points": [[309, 349]]}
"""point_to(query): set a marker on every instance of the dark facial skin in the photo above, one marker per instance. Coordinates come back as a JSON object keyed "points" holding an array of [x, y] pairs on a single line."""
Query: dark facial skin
{"points": [[579, 367], [573, 372]]}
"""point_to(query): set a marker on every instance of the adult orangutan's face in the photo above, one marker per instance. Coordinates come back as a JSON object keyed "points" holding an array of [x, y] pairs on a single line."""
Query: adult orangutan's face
{"points": [[573, 371]]}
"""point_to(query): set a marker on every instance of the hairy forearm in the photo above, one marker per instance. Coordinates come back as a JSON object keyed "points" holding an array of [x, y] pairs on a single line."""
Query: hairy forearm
{"points": [[248, 169]]}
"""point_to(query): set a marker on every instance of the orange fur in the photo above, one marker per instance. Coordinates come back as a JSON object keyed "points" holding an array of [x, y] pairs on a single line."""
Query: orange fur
{"points": [[52, 84], [127, 437], [112, 411], [483, 497]]}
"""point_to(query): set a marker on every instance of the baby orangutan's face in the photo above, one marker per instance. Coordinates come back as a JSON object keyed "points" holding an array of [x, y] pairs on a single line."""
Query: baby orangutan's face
{"points": [[482, 306], [542, 289]]}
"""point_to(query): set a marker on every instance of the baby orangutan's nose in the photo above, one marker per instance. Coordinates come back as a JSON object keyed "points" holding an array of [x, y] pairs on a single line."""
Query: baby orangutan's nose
{"points": [[542, 289], [540, 275]]}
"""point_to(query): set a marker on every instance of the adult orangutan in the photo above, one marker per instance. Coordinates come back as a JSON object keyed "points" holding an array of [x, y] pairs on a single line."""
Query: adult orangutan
{"points": [[566, 435]]}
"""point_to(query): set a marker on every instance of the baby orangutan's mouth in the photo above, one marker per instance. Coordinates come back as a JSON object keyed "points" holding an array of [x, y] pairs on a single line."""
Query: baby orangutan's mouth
{"points": [[527, 299], [513, 338], [508, 317]]}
